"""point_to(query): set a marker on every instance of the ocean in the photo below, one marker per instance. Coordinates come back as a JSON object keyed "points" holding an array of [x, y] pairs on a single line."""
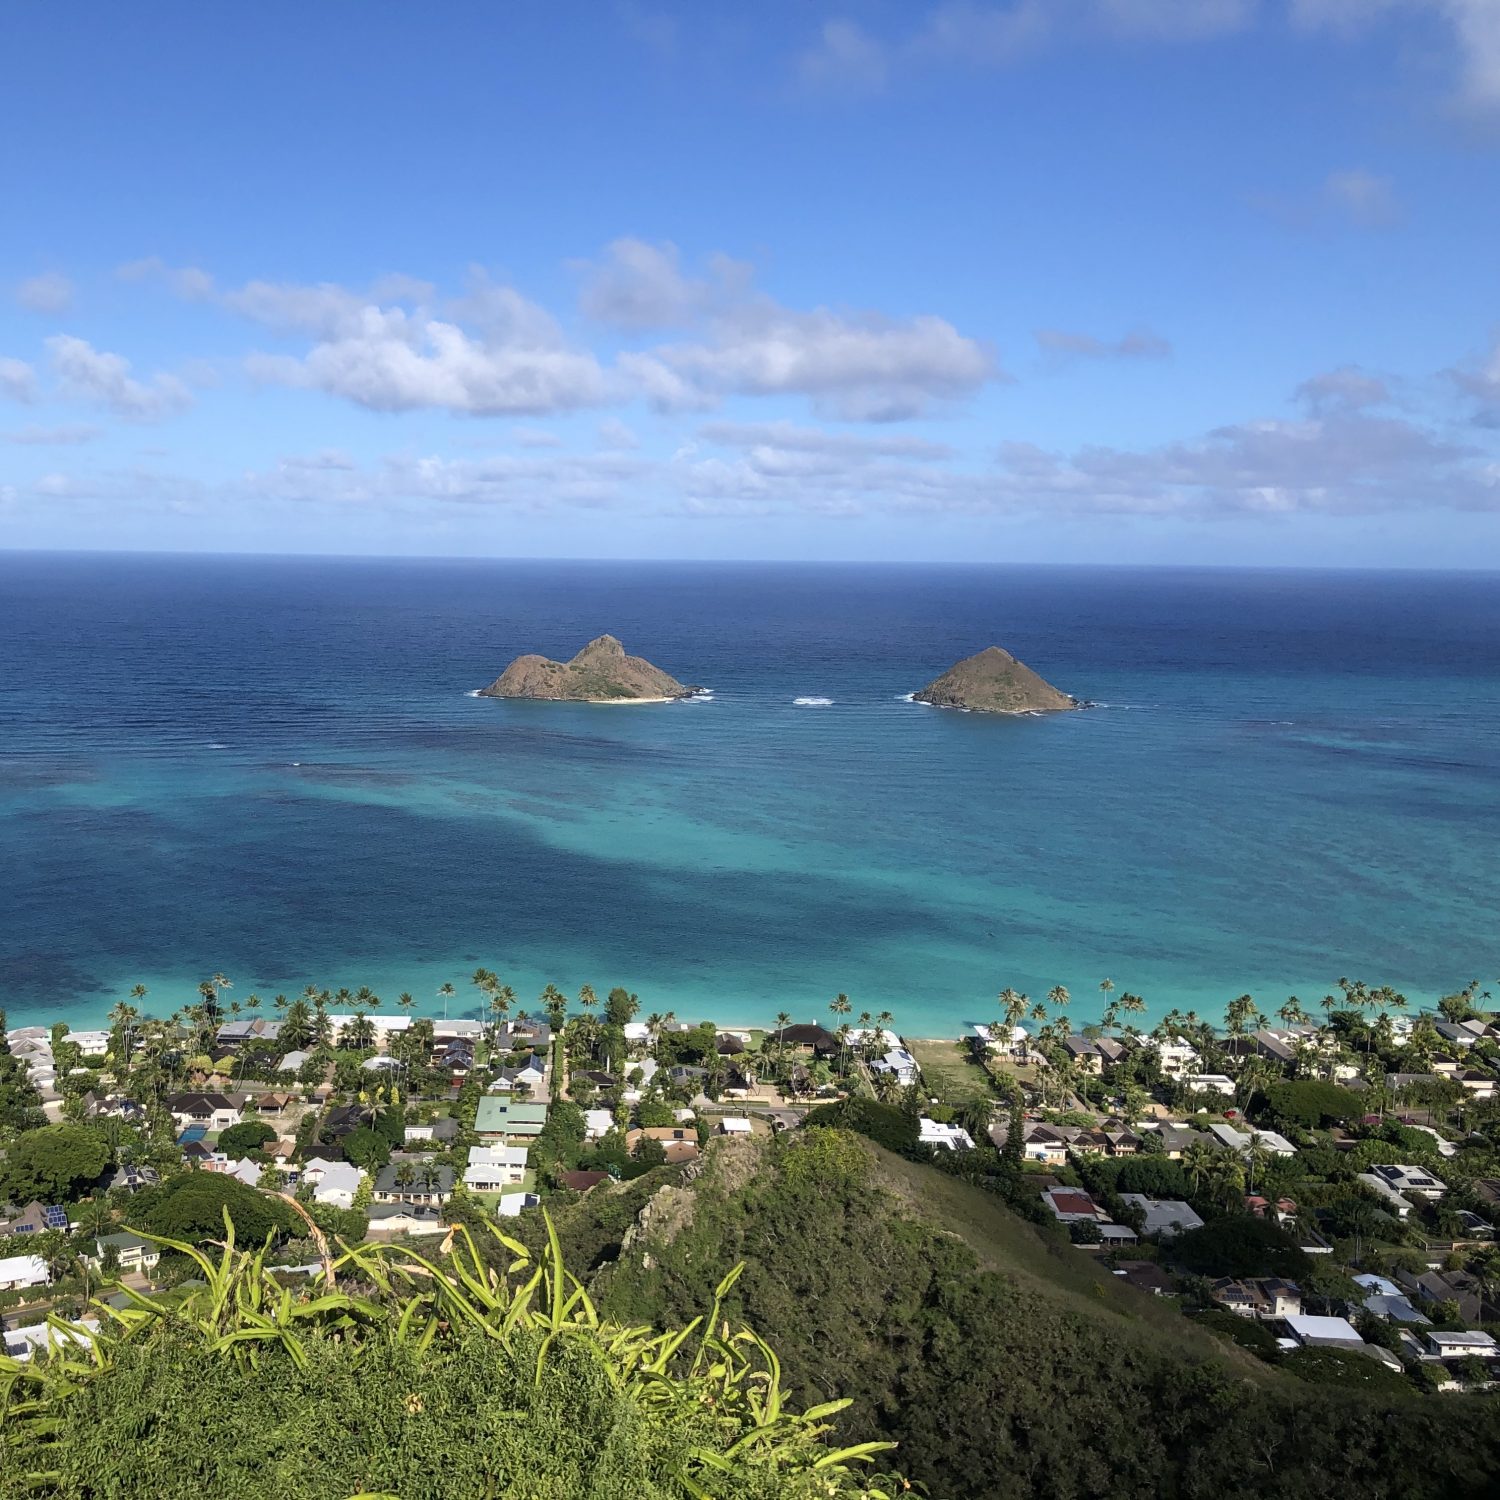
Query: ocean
{"points": [[272, 768]]}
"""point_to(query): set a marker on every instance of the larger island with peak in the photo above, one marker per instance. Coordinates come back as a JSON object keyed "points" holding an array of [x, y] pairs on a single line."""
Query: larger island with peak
{"points": [[600, 673], [994, 682]]}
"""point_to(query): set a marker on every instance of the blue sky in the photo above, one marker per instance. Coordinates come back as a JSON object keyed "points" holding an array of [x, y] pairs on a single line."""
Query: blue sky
{"points": [[1090, 280]]}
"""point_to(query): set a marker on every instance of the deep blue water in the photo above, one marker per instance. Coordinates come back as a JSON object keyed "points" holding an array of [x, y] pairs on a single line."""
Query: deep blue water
{"points": [[270, 768]]}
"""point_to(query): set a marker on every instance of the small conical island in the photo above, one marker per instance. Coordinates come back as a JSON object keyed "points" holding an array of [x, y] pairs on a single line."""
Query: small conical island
{"points": [[994, 682], [600, 673]]}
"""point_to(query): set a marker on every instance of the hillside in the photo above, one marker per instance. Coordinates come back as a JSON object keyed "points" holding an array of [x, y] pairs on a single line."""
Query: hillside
{"points": [[1003, 1361], [600, 673], [994, 682]]}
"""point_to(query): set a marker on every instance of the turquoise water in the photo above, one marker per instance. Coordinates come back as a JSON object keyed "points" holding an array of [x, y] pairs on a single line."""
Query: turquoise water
{"points": [[271, 768]]}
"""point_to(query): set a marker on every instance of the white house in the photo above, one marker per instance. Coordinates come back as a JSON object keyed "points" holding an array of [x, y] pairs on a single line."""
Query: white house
{"points": [[1394, 1202], [20, 1271], [1210, 1083], [1177, 1056], [735, 1125], [22, 1343], [135, 1252], [1323, 1333], [597, 1123], [90, 1042], [1411, 1180], [1241, 1141], [511, 1204], [1462, 1345], [333, 1182], [951, 1137], [900, 1064], [492, 1168]]}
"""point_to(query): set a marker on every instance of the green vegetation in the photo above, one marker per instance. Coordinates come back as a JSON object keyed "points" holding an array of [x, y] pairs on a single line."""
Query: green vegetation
{"points": [[987, 1347], [406, 1378], [53, 1163]]}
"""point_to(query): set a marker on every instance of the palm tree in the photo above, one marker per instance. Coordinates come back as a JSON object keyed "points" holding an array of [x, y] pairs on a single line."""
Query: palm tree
{"points": [[281, 1002], [1012, 1007], [405, 1001], [587, 998], [783, 1020], [1058, 997], [1106, 988], [1292, 1013], [1257, 1158], [1197, 1160], [445, 993], [886, 1022]]}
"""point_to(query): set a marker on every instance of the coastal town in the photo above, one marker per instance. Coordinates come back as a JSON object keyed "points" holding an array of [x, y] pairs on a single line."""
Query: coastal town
{"points": [[1313, 1184]]}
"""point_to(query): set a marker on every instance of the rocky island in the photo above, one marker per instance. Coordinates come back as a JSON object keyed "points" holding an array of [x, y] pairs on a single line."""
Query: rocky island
{"points": [[600, 673], [994, 682]]}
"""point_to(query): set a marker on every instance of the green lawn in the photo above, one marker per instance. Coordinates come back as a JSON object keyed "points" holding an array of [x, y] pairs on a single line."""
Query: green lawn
{"points": [[947, 1071]]}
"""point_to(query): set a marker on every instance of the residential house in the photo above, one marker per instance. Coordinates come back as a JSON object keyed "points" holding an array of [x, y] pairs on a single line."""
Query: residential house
{"points": [[136, 1254], [1084, 1055], [22, 1343], [1176, 1055], [1386, 1301], [898, 1064], [34, 1218], [814, 1039], [210, 1111], [1323, 1333], [1457, 1287], [1039, 1142], [1073, 1206], [429, 1186], [1176, 1137], [1412, 1181], [597, 1123], [1284, 1210], [294, 1061], [90, 1043], [735, 1125], [1241, 1141], [529, 1075], [242, 1170], [510, 1206], [1162, 1218], [1209, 1083], [499, 1119], [128, 1179], [1279, 1046], [20, 1272], [1392, 1201], [333, 1183], [1459, 1033], [1145, 1276], [390, 1219], [1258, 1297], [941, 1137], [491, 1168], [1480, 1085], [267, 1105], [1470, 1345], [234, 1034], [1001, 1040], [1110, 1050], [1108, 1140], [438, 1132], [679, 1143]]}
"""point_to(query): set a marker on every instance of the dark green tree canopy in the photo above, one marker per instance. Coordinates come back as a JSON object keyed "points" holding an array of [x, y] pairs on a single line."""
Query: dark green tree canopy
{"points": [[54, 1163]]}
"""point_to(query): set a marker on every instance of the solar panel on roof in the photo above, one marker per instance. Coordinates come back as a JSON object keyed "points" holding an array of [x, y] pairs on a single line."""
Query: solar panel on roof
{"points": [[55, 1217]]}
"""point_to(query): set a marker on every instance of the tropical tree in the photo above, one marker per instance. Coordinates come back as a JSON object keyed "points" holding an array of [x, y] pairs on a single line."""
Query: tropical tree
{"points": [[445, 993], [1198, 1159]]}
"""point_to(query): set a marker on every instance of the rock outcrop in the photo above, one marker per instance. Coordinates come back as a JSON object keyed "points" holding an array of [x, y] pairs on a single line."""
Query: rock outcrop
{"points": [[600, 673], [994, 682]]}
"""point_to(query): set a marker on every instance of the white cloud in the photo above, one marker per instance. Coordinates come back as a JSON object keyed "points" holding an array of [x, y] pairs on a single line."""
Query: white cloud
{"points": [[389, 360], [845, 58], [862, 367], [51, 292], [17, 379], [1346, 389], [188, 282], [615, 434], [792, 438], [90, 374], [1139, 343], [1476, 24], [637, 286], [535, 437], [1362, 198]]}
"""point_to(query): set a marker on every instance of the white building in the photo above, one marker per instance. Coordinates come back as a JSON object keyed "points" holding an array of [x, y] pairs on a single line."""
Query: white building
{"points": [[1397, 1205], [333, 1183], [492, 1168], [17, 1272], [1210, 1083], [1163, 1216], [1469, 1345], [900, 1064], [949, 1137], [1411, 1180], [1177, 1056], [1323, 1333], [735, 1125], [597, 1123]]}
